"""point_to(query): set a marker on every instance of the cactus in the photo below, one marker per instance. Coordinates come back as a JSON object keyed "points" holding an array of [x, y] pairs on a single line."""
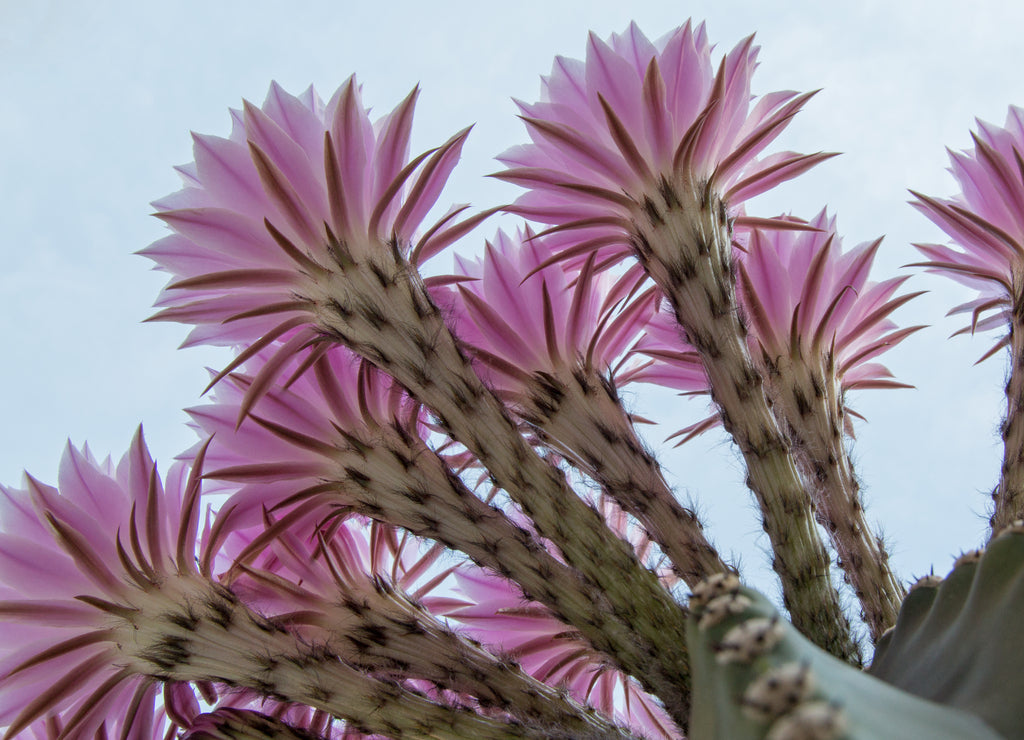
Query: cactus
{"points": [[430, 511], [958, 641], [756, 678]]}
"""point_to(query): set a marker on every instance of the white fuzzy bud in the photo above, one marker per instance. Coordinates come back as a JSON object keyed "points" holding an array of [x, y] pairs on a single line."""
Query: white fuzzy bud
{"points": [[816, 720], [721, 607], [711, 587], [748, 640], [778, 691]]}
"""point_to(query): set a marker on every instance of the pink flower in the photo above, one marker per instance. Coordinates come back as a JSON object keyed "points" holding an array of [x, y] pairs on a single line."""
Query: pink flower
{"points": [[271, 215], [344, 437], [65, 571], [272, 722], [150, 723], [637, 120], [803, 293], [288, 544], [986, 223], [804, 297], [673, 363], [315, 561], [309, 571], [522, 315]]}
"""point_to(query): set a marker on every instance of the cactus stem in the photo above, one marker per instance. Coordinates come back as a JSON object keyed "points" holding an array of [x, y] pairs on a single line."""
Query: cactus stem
{"points": [[686, 248], [1009, 495]]}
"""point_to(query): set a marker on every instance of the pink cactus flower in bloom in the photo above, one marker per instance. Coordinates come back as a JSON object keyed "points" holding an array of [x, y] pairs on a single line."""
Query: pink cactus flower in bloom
{"points": [[986, 223], [673, 363], [802, 293], [522, 315], [327, 559], [638, 119], [271, 721], [287, 543], [150, 722], [229, 722], [270, 214], [554, 343], [60, 581], [342, 437]]}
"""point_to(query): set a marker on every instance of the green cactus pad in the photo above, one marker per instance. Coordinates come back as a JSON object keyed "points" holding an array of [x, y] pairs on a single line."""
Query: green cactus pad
{"points": [[756, 678], [960, 642]]}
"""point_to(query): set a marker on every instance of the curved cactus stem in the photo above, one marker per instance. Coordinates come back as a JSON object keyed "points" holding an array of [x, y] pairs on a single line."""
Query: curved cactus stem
{"points": [[682, 236], [756, 678], [959, 641]]}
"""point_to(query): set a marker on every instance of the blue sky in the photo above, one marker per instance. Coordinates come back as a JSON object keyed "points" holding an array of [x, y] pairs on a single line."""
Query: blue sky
{"points": [[99, 97]]}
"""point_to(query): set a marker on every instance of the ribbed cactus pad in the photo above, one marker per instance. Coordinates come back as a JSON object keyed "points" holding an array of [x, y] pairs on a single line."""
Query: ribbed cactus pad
{"points": [[756, 678], [959, 641]]}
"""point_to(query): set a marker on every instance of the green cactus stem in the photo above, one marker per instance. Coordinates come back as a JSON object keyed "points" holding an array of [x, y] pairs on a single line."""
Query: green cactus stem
{"points": [[1009, 495], [959, 640], [683, 238], [756, 678]]}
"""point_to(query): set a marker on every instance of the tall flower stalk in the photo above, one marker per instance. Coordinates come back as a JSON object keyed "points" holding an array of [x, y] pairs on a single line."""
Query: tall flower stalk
{"points": [[838, 322]]}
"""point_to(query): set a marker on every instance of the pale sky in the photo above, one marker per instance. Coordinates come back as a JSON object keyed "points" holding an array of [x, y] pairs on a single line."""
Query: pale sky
{"points": [[99, 97]]}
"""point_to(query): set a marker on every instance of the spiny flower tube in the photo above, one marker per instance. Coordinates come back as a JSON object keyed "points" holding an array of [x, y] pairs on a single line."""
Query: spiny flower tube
{"points": [[643, 149], [816, 323], [332, 441], [549, 342], [333, 278], [985, 220]]}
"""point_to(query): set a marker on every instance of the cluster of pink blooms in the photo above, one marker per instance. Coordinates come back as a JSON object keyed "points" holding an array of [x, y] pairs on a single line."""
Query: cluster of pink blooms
{"points": [[333, 502]]}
